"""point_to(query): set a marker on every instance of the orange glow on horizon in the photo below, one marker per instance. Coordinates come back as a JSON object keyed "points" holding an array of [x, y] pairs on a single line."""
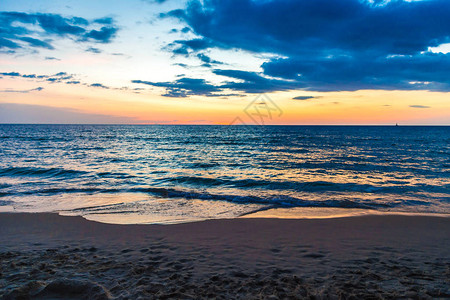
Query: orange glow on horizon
{"points": [[148, 107]]}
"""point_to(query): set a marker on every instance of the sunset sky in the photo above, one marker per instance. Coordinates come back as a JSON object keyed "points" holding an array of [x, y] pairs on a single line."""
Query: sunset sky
{"points": [[209, 62]]}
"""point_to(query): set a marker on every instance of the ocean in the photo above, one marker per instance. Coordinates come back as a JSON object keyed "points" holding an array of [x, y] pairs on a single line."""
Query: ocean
{"points": [[181, 173]]}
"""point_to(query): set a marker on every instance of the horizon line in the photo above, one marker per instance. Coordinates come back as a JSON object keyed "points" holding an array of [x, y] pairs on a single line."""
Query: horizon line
{"points": [[236, 125]]}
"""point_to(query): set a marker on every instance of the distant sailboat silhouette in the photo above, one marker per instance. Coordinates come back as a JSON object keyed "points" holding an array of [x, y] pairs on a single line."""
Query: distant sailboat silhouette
{"points": [[396, 124]]}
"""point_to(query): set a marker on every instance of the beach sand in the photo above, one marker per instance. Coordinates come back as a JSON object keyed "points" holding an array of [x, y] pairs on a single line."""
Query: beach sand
{"points": [[46, 256]]}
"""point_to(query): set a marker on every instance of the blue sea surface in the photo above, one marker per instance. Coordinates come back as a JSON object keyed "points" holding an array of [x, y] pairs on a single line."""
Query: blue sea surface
{"points": [[167, 174]]}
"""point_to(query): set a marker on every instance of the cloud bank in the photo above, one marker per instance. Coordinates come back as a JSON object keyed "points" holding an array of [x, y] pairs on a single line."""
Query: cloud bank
{"points": [[325, 45]]}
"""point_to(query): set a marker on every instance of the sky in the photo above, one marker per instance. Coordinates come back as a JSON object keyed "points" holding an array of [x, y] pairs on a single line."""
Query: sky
{"points": [[225, 62]]}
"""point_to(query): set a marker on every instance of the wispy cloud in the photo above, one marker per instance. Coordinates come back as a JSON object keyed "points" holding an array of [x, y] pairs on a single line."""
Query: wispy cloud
{"points": [[420, 106], [60, 77], [22, 91], [93, 50]]}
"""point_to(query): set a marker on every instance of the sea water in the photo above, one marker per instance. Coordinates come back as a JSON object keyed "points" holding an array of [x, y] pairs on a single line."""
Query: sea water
{"points": [[181, 173]]}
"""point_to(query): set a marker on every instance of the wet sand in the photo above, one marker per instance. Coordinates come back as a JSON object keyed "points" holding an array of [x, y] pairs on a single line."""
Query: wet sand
{"points": [[50, 256]]}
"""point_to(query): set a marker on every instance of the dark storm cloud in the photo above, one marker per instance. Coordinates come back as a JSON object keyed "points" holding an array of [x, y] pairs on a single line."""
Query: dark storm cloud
{"points": [[14, 29], [329, 45]]}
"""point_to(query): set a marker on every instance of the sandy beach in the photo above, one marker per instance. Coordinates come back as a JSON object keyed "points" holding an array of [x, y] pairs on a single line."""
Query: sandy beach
{"points": [[50, 256]]}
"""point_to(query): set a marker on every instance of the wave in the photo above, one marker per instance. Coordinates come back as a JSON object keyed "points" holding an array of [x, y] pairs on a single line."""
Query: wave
{"points": [[309, 186], [57, 173], [273, 201], [40, 172], [266, 202]]}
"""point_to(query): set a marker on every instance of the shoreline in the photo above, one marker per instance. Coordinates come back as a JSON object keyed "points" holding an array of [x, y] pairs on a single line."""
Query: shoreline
{"points": [[293, 213], [48, 255], [332, 213]]}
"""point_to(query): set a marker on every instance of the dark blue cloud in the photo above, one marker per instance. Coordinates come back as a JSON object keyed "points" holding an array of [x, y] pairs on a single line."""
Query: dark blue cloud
{"points": [[12, 74], [251, 82], [305, 97], [288, 26], [329, 45], [104, 35], [207, 60], [14, 29], [5, 43], [176, 13], [181, 51], [36, 43], [428, 71], [238, 81], [93, 50], [58, 77], [29, 76], [99, 85], [184, 87], [185, 47], [106, 21], [55, 24], [195, 44], [185, 30]]}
